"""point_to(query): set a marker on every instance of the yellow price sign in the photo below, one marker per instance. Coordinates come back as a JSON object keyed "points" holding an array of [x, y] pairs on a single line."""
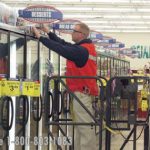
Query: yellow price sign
{"points": [[36, 89], [144, 93], [104, 82], [0, 88], [144, 105], [10, 88], [3, 85], [28, 88]]}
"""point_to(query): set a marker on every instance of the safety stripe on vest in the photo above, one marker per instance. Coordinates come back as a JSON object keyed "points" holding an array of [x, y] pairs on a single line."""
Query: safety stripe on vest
{"points": [[92, 57]]}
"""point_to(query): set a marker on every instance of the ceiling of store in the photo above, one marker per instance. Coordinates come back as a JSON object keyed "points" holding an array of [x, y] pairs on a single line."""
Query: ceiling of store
{"points": [[100, 15]]}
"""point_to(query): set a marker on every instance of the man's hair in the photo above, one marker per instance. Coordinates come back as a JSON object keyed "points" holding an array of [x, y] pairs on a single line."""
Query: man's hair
{"points": [[84, 29]]}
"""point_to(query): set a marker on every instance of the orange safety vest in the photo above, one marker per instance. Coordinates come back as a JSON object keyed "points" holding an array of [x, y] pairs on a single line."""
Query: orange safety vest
{"points": [[90, 69]]}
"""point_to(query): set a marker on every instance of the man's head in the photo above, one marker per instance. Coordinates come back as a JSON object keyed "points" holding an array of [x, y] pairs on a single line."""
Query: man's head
{"points": [[80, 32]]}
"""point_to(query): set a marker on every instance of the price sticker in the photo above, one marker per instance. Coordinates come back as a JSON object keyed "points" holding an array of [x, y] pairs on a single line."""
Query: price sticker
{"points": [[0, 88], [36, 90], [10, 88], [143, 93], [28, 88], [104, 82], [144, 105]]}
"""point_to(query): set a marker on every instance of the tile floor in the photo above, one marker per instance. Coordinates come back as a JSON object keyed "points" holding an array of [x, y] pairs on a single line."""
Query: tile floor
{"points": [[117, 141]]}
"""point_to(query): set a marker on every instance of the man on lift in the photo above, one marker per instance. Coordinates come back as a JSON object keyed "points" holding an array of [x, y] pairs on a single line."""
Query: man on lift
{"points": [[81, 61]]}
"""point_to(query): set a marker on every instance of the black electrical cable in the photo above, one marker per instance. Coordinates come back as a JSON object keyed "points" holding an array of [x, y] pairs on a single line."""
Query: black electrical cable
{"points": [[122, 133], [137, 136], [118, 127]]}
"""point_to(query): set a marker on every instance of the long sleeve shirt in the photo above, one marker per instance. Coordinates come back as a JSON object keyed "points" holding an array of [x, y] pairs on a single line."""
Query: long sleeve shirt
{"points": [[73, 52]]}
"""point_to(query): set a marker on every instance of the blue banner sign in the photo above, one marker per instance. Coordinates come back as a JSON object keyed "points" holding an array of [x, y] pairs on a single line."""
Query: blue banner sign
{"points": [[103, 45], [63, 26], [116, 45], [129, 52], [40, 14], [106, 40], [111, 45], [95, 35]]}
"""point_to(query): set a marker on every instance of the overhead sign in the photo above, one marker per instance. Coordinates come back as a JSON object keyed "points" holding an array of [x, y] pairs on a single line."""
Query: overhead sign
{"points": [[111, 45], [40, 14], [128, 52], [102, 45], [142, 51], [65, 26], [106, 39], [116, 45], [95, 35]]}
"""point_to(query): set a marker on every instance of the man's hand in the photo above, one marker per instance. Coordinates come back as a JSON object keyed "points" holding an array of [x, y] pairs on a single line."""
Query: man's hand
{"points": [[36, 32], [45, 28]]}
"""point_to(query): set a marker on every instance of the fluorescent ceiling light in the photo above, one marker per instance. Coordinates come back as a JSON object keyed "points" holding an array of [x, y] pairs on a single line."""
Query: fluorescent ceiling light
{"points": [[113, 19], [146, 17], [95, 22], [122, 16], [57, 0], [104, 16], [118, 27], [93, 9], [133, 22], [18, 0], [75, 8], [115, 22], [143, 10], [80, 16], [125, 31], [140, 1], [106, 1], [101, 1], [115, 9]]}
